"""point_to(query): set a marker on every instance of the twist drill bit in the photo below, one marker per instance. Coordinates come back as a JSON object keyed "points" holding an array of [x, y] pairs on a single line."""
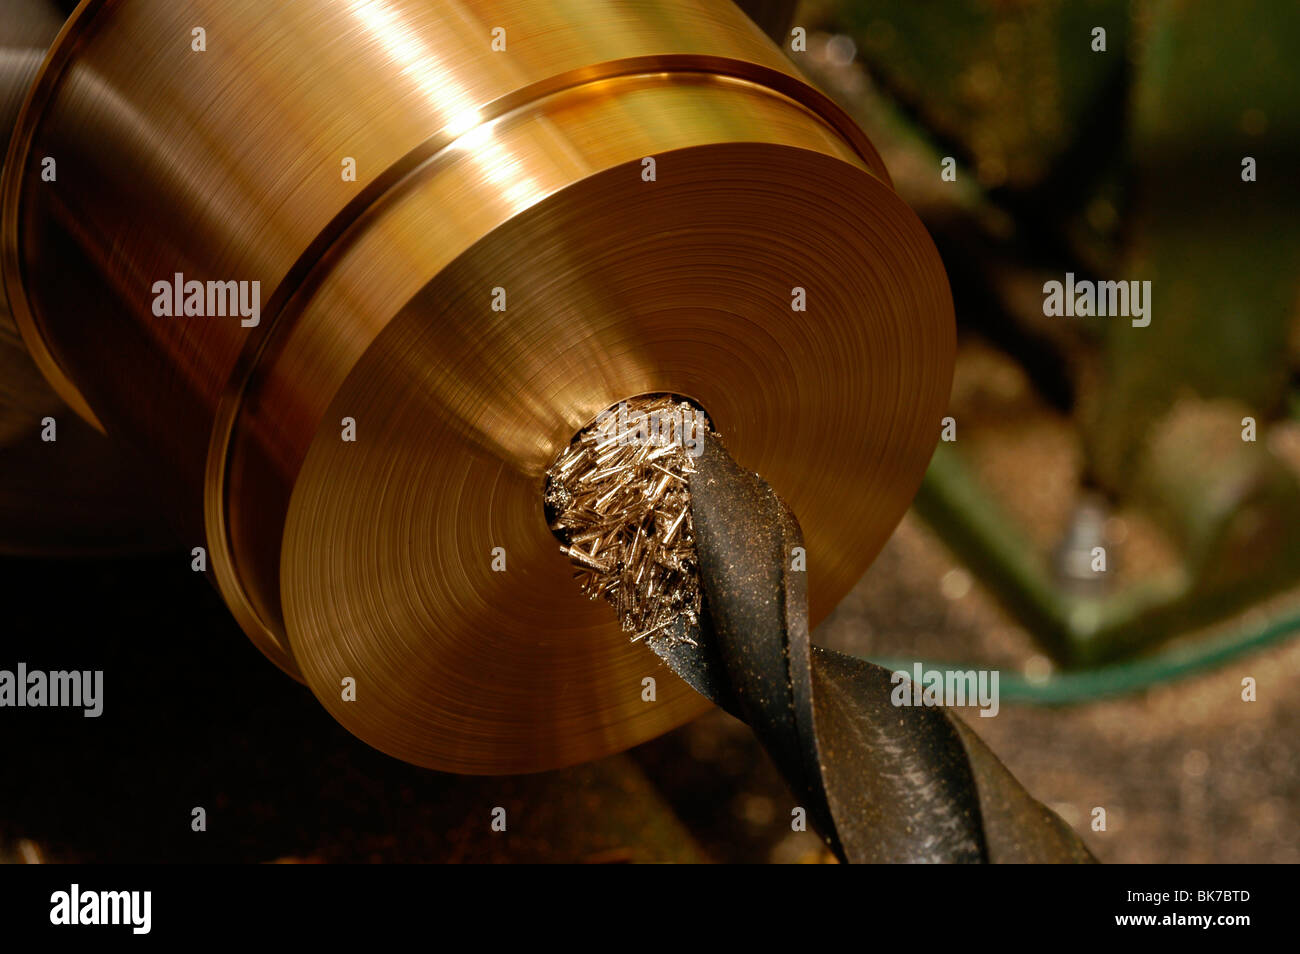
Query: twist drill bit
{"points": [[880, 783]]}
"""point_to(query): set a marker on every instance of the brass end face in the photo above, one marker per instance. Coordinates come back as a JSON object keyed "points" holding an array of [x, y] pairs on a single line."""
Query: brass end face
{"points": [[615, 286]]}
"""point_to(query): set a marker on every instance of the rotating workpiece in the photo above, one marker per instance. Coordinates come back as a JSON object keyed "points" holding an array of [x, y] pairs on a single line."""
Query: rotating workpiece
{"points": [[456, 233]]}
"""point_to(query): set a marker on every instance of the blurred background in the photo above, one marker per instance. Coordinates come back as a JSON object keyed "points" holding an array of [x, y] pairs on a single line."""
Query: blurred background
{"points": [[1121, 689]]}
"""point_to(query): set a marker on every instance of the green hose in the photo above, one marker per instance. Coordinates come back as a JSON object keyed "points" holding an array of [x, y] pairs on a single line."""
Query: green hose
{"points": [[1070, 688]]}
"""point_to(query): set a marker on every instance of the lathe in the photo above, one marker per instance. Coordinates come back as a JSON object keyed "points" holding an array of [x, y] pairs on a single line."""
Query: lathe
{"points": [[433, 220]]}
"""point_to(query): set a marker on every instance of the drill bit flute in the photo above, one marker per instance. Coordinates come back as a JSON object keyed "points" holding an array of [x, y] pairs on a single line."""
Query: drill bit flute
{"points": [[727, 611]]}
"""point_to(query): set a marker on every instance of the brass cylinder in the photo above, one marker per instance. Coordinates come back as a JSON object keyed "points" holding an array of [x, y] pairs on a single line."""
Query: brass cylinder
{"points": [[26, 31], [555, 206], [65, 489]]}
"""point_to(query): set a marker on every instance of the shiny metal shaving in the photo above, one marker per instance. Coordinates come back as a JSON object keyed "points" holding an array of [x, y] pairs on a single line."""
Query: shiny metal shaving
{"points": [[618, 499]]}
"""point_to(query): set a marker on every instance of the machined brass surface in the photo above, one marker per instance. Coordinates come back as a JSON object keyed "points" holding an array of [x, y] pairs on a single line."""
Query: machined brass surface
{"points": [[64, 488], [26, 31], [520, 170]]}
